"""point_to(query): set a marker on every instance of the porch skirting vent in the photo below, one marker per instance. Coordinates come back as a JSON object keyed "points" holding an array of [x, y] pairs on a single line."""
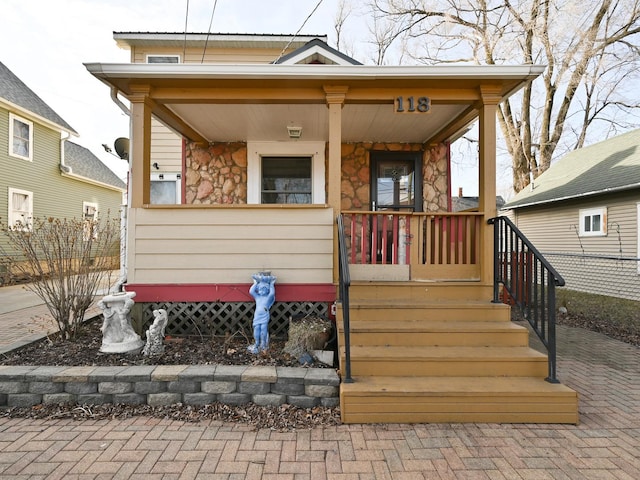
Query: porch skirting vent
{"points": [[210, 319]]}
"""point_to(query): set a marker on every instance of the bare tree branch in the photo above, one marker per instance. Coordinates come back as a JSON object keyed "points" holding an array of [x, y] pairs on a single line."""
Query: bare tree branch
{"points": [[591, 49]]}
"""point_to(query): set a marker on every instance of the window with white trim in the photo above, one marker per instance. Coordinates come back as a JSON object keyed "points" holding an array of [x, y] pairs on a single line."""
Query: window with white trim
{"points": [[285, 172], [89, 217], [593, 222], [163, 58], [20, 137], [286, 180], [165, 188], [20, 208]]}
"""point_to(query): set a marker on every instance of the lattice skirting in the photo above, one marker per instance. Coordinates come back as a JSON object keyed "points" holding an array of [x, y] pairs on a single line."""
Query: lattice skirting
{"points": [[209, 319]]}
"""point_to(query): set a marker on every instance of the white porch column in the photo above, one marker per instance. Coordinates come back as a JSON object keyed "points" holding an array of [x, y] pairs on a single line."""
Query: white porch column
{"points": [[487, 202]]}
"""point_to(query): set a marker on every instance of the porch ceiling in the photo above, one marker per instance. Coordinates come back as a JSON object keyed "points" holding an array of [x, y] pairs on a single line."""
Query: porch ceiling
{"points": [[258, 102], [268, 122]]}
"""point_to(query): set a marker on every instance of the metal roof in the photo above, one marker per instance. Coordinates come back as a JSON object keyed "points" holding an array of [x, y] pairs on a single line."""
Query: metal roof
{"points": [[219, 40], [612, 165]]}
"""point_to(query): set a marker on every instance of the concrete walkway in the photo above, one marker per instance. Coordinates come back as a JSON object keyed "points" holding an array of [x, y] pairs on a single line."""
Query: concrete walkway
{"points": [[606, 444], [24, 318]]}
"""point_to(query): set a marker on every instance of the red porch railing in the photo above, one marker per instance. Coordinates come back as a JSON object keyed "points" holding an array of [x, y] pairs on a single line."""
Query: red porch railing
{"points": [[446, 240]]}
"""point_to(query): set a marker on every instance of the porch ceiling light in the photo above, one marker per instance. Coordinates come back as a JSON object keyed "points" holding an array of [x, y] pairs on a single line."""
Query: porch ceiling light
{"points": [[294, 132]]}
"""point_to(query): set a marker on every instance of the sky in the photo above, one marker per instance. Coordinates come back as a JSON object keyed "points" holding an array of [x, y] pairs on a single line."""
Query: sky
{"points": [[46, 43]]}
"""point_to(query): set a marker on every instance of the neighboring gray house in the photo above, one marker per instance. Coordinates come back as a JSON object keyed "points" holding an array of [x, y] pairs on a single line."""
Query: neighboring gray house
{"points": [[43, 173], [463, 203], [583, 215]]}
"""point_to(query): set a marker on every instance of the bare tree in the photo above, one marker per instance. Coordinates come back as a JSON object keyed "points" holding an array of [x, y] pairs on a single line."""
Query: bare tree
{"points": [[591, 49], [67, 260]]}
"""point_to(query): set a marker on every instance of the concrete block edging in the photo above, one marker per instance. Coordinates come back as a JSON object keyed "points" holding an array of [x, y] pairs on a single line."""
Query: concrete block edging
{"points": [[26, 386]]}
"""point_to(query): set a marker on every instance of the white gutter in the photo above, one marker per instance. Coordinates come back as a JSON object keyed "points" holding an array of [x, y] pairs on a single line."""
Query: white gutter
{"points": [[573, 197], [67, 172], [326, 72]]}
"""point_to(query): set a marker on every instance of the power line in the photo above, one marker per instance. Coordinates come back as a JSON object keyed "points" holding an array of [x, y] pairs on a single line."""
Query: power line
{"points": [[296, 34], [215, 3], [186, 19]]}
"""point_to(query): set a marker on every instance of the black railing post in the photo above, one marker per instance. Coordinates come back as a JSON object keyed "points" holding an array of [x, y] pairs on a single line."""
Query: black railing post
{"points": [[497, 250], [522, 280], [344, 284], [552, 333]]}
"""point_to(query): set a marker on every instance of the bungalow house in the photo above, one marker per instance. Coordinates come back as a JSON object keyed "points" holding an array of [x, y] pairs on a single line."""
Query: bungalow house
{"points": [[45, 174], [583, 215], [277, 138]]}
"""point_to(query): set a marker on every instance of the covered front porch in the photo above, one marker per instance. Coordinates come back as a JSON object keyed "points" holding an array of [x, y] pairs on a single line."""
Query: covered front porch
{"points": [[274, 154], [394, 110]]}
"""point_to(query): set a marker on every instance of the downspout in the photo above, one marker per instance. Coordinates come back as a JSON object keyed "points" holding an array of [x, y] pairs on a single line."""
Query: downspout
{"points": [[64, 168], [122, 279]]}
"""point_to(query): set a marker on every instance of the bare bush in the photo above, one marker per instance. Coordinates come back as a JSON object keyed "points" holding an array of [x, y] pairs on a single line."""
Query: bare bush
{"points": [[68, 260]]}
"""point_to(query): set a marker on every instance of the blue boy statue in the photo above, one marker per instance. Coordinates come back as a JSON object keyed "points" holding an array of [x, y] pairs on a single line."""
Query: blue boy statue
{"points": [[264, 293]]}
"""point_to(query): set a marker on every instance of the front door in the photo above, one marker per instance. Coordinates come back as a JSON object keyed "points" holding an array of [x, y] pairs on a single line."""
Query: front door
{"points": [[396, 181], [396, 186]]}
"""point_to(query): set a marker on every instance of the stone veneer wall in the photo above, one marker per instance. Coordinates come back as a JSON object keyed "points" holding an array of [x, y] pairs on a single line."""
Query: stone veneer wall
{"points": [[216, 174], [356, 179], [25, 386]]}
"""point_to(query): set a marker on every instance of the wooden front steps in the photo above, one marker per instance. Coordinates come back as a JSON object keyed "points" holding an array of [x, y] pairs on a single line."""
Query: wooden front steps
{"points": [[420, 355]]}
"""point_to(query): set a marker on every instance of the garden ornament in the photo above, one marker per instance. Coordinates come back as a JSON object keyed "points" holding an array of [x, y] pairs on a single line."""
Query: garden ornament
{"points": [[264, 293], [118, 335], [155, 334]]}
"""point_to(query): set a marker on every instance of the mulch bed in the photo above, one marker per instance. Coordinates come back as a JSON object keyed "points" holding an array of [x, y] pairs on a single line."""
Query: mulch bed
{"points": [[231, 350], [85, 350]]}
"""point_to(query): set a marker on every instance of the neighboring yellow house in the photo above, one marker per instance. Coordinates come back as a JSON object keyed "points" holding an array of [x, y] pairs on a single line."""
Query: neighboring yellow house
{"points": [[265, 141], [44, 174]]}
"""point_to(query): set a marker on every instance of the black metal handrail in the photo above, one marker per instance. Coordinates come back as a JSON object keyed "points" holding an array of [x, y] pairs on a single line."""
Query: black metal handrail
{"points": [[344, 283], [528, 281]]}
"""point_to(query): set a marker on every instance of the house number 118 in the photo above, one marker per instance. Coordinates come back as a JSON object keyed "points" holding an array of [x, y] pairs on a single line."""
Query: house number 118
{"points": [[412, 104]]}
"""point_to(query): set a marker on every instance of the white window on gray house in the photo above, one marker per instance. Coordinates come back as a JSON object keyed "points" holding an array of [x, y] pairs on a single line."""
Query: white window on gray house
{"points": [[163, 58], [21, 137], [165, 188], [20, 208], [593, 222], [286, 180]]}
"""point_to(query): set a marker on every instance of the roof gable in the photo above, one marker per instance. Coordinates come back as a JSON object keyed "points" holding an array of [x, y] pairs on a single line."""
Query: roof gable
{"points": [[15, 92], [609, 166], [316, 52], [83, 163]]}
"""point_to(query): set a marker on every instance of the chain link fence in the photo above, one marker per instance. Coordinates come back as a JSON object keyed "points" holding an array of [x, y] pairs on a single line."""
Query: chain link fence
{"points": [[609, 275]]}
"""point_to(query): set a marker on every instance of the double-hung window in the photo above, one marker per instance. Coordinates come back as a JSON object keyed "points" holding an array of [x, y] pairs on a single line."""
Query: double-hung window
{"points": [[286, 180], [286, 173], [20, 137], [593, 222], [165, 188], [20, 208]]}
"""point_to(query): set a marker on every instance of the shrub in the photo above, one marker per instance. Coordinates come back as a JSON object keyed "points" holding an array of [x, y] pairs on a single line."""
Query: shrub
{"points": [[68, 260]]}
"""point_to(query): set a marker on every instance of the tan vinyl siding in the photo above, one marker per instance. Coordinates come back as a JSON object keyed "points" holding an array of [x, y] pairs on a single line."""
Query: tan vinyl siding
{"points": [[194, 55], [228, 245], [166, 148]]}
